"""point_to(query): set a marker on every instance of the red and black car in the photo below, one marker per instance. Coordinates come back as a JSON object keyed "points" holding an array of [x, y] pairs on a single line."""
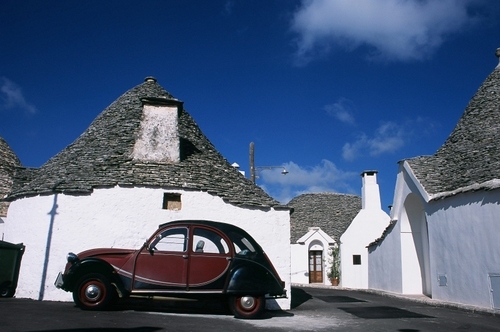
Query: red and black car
{"points": [[183, 259]]}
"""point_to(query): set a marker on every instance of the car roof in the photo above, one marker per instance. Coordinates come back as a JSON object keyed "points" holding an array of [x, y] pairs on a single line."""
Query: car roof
{"points": [[224, 227]]}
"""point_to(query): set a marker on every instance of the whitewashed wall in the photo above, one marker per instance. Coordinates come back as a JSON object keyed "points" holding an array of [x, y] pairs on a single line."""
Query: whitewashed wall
{"points": [[389, 262], [366, 226], [464, 240], [124, 218], [2, 226], [300, 264], [384, 271], [463, 246]]}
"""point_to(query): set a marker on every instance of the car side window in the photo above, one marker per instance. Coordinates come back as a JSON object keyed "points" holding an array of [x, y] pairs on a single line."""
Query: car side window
{"points": [[207, 241], [173, 239], [241, 244]]}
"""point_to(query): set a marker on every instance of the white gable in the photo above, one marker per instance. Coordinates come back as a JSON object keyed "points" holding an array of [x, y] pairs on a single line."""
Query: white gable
{"points": [[316, 233]]}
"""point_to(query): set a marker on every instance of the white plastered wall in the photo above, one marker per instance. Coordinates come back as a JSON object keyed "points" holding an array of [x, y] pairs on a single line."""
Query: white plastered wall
{"points": [[365, 227], [300, 269], [463, 245], [124, 218], [464, 249], [393, 263], [384, 265], [2, 226]]}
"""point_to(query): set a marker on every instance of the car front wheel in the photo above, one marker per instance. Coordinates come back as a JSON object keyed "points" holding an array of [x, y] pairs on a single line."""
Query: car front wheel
{"points": [[93, 292], [247, 306]]}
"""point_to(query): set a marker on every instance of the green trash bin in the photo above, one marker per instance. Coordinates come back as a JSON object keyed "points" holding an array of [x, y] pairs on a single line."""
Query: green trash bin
{"points": [[10, 262]]}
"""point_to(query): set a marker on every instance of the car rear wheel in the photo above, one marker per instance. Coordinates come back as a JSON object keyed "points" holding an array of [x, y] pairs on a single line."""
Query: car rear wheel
{"points": [[93, 292], [247, 306]]}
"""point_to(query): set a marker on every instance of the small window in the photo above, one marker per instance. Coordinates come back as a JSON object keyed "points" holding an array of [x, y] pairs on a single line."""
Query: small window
{"points": [[172, 201], [356, 259]]}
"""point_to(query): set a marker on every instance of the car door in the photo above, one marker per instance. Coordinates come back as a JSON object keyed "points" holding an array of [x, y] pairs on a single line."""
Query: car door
{"points": [[162, 265], [210, 257]]}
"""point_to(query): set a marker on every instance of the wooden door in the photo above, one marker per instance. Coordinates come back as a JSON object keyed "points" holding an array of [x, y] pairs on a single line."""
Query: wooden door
{"points": [[315, 266]]}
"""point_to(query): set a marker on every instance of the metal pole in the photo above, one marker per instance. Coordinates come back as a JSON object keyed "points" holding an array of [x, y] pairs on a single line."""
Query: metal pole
{"points": [[252, 163]]}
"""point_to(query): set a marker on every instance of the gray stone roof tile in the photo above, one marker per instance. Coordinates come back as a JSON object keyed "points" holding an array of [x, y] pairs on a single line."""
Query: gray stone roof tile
{"points": [[8, 164], [470, 157], [332, 212], [102, 157]]}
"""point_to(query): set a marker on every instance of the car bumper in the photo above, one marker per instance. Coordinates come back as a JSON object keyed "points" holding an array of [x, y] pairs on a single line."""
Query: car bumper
{"points": [[59, 283]]}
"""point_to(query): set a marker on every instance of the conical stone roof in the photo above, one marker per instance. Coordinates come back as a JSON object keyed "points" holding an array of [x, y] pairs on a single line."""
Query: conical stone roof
{"points": [[8, 164], [332, 212], [102, 157], [470, 157]]}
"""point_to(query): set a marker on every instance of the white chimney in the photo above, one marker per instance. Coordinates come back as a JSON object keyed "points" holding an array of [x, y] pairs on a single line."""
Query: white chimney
{"points": [[158, 139], [370, 193]]}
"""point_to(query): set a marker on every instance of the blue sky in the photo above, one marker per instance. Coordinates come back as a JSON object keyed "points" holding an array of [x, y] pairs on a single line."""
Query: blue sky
{"points": [[325, 88]]}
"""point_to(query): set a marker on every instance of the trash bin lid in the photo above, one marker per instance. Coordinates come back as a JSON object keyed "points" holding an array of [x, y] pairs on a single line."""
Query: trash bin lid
{"points": [[8, 245]]}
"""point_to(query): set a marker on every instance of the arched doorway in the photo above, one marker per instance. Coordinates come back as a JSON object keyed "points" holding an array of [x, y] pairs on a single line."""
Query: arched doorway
{"points": [[415, 248], [316, 262]]}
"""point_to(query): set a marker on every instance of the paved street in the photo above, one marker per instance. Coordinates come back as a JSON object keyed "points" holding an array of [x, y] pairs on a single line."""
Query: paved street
{"points": [[314, 309]]}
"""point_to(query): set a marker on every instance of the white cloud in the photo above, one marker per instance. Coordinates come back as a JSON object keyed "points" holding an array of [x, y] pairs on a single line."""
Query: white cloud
{"points": [[388, 138], [342, 110], [392, 29], [325, 177], [11, 97]]}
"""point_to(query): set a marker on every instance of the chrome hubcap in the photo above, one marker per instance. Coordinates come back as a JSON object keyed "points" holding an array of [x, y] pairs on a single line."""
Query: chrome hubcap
{"points": [[247, 302], [92, 292]]}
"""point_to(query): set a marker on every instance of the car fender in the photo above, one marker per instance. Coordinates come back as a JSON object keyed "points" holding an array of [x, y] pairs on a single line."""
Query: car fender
{"points": [[250, 278], [92, 265]]}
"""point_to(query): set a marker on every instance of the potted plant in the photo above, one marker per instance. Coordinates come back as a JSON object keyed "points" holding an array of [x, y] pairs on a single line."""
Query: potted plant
{"points": [[334, 261]]}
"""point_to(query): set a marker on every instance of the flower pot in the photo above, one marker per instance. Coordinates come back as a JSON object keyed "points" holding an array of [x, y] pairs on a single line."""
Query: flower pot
{"points": [[334, 281]]}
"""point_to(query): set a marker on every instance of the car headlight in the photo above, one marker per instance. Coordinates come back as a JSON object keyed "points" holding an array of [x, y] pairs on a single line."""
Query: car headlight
{"points": [[72, 258]]}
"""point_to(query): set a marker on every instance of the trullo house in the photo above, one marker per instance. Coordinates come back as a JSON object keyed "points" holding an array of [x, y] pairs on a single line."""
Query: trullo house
{"points": [[142, 162], [443, 238], [9, 162], [317, 222]]}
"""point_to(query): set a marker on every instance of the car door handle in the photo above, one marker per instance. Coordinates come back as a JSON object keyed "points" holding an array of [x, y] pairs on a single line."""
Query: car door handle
{"points": [[185, 256], [229, 259]]}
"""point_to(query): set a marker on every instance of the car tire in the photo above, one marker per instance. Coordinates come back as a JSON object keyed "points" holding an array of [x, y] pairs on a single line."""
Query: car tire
{"points": [[93, 292], [247, 306]]}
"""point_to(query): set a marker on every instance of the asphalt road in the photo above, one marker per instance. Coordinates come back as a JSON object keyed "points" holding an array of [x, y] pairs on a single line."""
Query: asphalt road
{"points": [[312, 310]]}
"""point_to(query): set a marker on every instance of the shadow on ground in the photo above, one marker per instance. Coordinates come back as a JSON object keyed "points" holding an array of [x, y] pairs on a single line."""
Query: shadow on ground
{"points": [[204, 306], [105, 329], [299, 296], [382, 312], [208, 306]]}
